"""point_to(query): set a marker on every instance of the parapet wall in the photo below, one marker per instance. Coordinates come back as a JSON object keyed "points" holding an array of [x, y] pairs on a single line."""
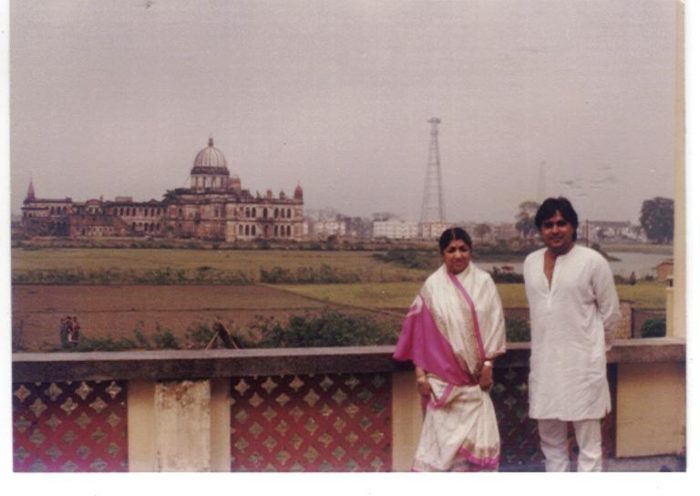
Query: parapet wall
{"points": [[314, 409]]}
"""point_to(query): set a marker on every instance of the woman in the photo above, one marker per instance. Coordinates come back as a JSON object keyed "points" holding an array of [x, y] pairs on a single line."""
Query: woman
{"points": [[452, 333]]}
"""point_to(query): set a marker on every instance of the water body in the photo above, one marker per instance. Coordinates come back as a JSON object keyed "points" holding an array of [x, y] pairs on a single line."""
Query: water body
{"points": [[642, 264]]}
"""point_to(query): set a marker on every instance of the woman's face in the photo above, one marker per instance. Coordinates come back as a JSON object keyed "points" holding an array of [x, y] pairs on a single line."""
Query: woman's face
{"points": [[457, 256]]}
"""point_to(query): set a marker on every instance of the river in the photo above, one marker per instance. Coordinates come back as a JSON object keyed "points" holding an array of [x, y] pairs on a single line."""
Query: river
{"points": [[642, 264]]}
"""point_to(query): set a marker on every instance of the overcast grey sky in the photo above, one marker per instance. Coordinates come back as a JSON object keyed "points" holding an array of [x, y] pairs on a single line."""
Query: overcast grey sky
{"points": [[572, 97]]}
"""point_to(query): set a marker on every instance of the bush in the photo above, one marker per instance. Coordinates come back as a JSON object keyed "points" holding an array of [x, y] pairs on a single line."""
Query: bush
{"points": [[654, 328], [164, 338], [325, 274], [105, 344], [199, 335], [330, 328], [500, 276]]}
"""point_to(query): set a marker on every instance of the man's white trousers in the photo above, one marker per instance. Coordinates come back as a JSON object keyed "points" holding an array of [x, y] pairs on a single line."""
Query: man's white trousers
{"points": [[555, 446]]}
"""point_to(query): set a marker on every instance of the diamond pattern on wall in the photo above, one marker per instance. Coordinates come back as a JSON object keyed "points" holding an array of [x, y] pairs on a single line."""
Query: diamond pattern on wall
{"points": [[70, 427], [520, 443], [324, 422]]}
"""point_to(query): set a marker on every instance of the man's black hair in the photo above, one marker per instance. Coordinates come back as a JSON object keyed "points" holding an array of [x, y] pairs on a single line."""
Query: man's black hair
{"points": [[550, 207]]}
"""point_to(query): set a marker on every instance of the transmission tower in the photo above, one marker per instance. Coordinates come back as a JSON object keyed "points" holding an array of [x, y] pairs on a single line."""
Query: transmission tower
{"points": [[433, 209]]}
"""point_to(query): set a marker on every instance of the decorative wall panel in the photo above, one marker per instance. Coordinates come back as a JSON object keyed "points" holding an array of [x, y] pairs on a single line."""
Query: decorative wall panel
{"points": [[70, 427], [325, 422]]}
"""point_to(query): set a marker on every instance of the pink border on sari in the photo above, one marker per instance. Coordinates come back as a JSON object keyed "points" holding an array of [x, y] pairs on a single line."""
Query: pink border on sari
{"points": [[486, 462], [422, 342], [472, 309]]}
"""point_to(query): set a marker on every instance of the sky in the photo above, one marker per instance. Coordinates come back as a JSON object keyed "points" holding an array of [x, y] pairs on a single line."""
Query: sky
{"points": [[536, 98]]}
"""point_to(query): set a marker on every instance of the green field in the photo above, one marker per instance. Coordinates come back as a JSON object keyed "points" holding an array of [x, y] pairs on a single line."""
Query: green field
{"points": [[400, 295], [374, 284], [128, 265]]}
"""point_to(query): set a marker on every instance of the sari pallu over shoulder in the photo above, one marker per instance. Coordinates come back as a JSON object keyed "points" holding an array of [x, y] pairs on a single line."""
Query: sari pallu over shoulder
{"points": [[441, 332]]}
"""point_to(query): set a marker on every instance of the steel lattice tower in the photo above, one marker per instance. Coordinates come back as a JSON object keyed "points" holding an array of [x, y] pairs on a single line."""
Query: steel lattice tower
{"points": [[433, 209]]}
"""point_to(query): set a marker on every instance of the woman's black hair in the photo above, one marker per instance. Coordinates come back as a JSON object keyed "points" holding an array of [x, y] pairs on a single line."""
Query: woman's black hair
{"points": [[550, 207], [452, 234]]}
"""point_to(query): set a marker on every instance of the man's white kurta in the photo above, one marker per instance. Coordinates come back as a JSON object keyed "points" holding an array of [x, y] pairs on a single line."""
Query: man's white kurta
{"points": [[570, 321]]}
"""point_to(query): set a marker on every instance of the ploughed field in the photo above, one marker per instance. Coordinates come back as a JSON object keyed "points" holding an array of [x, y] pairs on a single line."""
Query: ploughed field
{"points": [[117, 311]]}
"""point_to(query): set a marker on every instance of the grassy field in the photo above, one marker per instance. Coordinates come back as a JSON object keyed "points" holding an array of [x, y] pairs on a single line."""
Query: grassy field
{"points": [[400, 295], [639, 248], [196, 264], [379, 284], [388, 295]]}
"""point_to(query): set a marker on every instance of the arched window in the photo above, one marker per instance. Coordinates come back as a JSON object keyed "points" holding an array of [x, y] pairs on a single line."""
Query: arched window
{"points": [[276, 231], [252, 229], [289, 230], [264, 213], [247, 230]]}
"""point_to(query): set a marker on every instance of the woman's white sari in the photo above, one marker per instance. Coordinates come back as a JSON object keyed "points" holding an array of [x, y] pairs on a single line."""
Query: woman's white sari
{"points": [[454, 325]]}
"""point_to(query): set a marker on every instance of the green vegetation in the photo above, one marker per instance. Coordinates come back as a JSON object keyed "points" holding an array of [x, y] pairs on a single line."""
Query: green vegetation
{"points": [[330, 328], [653, 328], [325, 274], [182, 266], [395, 295], [400, 295]]}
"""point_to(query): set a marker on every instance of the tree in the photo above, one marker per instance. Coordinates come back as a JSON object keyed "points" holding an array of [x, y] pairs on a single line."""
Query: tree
{"points": [[656, 219], [525, 219]]}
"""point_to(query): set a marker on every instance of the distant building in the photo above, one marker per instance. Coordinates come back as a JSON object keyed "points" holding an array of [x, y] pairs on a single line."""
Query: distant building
{"points": [[329, 227], [395, 229], [215, 207], [432, 230], [598, 231], [664, 270], [504, 231]]}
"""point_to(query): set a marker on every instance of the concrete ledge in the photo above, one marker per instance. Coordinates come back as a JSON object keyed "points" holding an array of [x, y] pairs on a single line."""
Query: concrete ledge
{"points": [[203, 364]]}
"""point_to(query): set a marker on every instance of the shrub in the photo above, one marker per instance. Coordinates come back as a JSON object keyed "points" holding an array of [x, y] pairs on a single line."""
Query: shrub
{"points": [[500, 276], [199, 335], [654, 328], [325, 274], [105, 344], [164, 338], [330, 328]]}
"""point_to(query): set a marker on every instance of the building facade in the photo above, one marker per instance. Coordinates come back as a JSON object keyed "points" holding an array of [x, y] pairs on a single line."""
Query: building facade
{"points": [[214, 207]]}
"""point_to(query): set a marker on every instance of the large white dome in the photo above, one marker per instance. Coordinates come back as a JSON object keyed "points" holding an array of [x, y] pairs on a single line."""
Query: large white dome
{"points": [[210, 157]]}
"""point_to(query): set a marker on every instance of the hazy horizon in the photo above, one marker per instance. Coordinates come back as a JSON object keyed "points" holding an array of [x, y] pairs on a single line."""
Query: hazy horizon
{"points": [[536, 98]]}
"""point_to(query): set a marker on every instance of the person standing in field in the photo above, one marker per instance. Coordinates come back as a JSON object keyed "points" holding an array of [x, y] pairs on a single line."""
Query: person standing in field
{"points": [[453, 332], [63, 332], [74, 337], [573, 312]]}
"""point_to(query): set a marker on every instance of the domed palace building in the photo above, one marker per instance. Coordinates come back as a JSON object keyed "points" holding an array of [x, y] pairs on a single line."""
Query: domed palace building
{"points": [[214, 207]]}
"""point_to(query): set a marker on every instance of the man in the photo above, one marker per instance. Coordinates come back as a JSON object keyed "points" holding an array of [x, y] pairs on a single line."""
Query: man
{"points": [[573, 312]]}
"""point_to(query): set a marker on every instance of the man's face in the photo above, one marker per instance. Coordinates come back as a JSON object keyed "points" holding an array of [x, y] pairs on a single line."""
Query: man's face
{"points": [[557, 234]]}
